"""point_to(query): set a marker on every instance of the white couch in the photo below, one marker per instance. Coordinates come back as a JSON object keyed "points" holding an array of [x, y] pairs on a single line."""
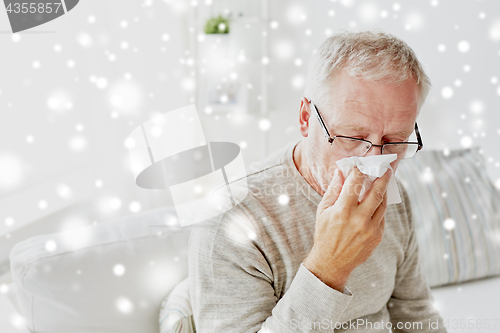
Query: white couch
{"points": [[104, 278], [470, 304], [63, 284]]}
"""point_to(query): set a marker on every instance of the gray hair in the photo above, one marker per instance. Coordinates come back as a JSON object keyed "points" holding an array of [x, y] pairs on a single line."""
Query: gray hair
{"points": [[371, 55]]}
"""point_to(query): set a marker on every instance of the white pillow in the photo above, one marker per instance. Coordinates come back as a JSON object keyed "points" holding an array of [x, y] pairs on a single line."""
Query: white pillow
{"points": [[102, 279], [176, 314]]}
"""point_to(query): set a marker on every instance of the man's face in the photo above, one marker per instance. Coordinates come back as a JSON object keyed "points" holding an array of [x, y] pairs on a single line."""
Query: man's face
{"points": [[374, 111]]}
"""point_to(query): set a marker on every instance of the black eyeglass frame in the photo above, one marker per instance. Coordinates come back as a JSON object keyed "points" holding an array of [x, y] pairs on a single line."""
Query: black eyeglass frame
{"points": [[331, 139]]}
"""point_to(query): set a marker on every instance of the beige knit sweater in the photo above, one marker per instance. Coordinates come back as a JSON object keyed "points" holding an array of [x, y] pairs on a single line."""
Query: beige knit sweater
{"points": [[246, 274]]}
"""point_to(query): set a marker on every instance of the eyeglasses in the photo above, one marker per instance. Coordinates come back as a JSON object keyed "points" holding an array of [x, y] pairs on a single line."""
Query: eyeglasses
{"points": [[348, 146]]}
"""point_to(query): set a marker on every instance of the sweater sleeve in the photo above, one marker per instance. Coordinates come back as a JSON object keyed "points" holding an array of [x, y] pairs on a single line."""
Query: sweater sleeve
{"points": [[411, 304], [232, 284]]}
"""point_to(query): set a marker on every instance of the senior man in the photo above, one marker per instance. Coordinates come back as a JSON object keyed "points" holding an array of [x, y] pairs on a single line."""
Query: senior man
{"points": [[300, 253]]}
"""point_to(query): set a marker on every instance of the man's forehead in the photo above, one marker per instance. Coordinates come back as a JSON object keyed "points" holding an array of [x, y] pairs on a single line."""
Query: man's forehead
{"points": [[348, 106], [344, 110], [357, 90], [352, 108], [357, 101], [349, 101]]}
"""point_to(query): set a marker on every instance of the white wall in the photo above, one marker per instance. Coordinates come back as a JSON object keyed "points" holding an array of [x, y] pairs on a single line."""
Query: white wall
{"points": [[56, 119]]}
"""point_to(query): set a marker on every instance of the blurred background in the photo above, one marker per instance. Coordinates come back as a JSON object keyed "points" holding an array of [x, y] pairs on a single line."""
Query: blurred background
{"points": [[72, 90]]}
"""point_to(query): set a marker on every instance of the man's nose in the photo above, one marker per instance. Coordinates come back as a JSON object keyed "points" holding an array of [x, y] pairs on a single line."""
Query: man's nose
{"points": [[374, 150]]}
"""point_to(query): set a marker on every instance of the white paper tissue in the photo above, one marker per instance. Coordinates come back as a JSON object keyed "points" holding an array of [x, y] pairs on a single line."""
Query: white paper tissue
{"points": [[373, 166]]}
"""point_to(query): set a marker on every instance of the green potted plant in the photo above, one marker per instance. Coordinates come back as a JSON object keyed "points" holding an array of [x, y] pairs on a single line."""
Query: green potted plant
{"points": [[217, 25]]}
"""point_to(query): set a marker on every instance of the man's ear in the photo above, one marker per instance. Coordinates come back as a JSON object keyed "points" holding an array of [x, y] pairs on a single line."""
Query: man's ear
{"points": [[304, 116]]}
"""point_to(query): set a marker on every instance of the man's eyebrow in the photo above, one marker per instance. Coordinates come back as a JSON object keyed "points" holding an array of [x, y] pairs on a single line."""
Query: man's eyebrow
{"points": [[353, 128], [364, 129]]}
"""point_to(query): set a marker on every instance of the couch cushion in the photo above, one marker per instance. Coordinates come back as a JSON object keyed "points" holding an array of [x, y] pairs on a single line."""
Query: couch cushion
{"points": [[105, 278], [457, 214]]}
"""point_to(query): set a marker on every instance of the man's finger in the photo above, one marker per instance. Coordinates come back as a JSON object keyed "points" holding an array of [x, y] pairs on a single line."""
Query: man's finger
{"points": [[382, 225], [332, 192], [380, 211], [352, 187], [376, 193]]}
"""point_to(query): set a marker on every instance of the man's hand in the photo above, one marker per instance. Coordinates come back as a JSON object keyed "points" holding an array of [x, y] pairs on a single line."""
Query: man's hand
{"points": [[347, 231]]}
